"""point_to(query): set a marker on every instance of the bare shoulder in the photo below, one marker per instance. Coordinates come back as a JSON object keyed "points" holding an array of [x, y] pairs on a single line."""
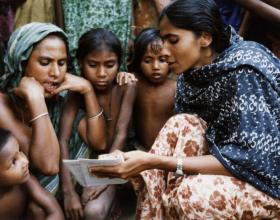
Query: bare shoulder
{"points": [[12, 203], [171, 83], [127, 88]]}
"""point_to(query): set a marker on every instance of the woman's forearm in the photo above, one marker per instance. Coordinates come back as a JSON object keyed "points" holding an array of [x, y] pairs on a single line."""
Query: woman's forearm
{"points": [[44, 149], [160, 4], [206, 164], [261, 9]]}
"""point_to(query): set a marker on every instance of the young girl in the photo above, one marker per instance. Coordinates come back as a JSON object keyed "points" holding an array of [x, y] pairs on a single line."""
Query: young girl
{"points": [[99, 54], [155, 92]]}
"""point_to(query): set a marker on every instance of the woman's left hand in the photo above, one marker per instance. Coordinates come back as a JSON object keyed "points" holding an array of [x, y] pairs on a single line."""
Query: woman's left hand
{"points": [[125, 78], [134, 163], [75, 84]]}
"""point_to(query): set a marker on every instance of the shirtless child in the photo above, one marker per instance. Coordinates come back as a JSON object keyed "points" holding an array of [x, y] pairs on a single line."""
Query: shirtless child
{"points": [[18, 190], [99, 54], [155, 91]]}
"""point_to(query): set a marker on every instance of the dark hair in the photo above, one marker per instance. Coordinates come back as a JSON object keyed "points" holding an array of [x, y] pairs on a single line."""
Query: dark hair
{"points": [[4, 137], [145, 38], [198, 16], [99, 39]]}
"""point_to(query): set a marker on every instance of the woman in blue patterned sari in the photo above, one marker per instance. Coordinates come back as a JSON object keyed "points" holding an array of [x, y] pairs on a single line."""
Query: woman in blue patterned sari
{"points": [[224, 143]]}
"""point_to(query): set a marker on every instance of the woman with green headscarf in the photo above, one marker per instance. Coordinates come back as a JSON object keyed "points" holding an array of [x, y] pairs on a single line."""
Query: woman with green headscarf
{"points": [[35, 73]]}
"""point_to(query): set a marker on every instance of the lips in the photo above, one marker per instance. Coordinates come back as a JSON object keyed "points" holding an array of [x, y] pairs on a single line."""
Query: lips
{"points": [[26, 172], [102, 83], [156, 75], [50, 86]]}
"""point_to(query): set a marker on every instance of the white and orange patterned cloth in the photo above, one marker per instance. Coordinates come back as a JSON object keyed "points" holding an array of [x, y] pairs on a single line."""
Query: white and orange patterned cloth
{"points": [[165, 197]]}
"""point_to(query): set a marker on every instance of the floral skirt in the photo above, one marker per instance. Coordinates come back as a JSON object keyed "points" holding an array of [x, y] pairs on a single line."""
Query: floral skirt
{"points": [[197, 196]]}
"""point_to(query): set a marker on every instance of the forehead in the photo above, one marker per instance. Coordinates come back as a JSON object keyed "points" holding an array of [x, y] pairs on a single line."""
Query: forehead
{"points": [[101, 54], [49, 44], [155, 47], [167, 28], [9, 149]]}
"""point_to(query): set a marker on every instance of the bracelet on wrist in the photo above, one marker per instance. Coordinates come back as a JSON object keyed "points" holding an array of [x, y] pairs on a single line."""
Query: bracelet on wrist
{"points": [[97, 115], [38, 116], [179, 167]]}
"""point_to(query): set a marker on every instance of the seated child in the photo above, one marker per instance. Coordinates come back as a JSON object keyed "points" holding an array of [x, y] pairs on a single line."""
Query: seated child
{"points": [[99, 54], [18, 190], [154, 101]]}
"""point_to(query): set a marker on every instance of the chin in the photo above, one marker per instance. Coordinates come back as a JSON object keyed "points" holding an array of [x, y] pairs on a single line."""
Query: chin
{"points": [[49, 95]]}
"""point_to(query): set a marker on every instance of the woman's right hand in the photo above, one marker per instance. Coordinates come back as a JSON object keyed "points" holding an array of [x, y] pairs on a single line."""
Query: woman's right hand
{"points": [[29, 88], [75, 84], [73, 206], [125, 78], [134, 163]]}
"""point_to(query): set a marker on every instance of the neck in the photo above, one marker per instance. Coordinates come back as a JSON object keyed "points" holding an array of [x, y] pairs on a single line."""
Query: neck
{"points": [[208, 55], [153, 84]]}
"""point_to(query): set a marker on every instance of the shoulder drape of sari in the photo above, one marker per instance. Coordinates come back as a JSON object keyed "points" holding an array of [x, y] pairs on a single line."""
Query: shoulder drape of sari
{"points": [[239, 97]]}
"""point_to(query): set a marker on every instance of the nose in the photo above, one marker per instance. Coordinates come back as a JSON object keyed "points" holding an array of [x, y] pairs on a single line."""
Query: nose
{"points": [[55, 71], [155, 65], [101, 72], [166, 51], [24, 160]]}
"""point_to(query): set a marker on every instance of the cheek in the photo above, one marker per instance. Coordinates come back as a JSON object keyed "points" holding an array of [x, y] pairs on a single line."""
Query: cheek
{"points": [[145, 68], [112, 72], [89, 73], [164, 67]]}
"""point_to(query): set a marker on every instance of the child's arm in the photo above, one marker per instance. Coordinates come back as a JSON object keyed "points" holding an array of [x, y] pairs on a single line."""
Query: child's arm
{"points": [[95, 124], [72, 204], [124, 117], [44, 199]]}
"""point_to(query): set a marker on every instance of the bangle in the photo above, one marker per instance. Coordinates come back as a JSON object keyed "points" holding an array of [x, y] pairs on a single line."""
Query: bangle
{"points": [[179, 167], [38, 116], [97, 115]]}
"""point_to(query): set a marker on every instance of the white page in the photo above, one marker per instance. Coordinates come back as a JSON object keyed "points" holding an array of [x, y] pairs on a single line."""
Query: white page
{"points": [[75, 169], [92, 180], [79, 169]]}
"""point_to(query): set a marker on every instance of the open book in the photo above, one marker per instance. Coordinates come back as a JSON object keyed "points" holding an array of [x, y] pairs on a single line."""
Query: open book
{"points": [[79, 170]]}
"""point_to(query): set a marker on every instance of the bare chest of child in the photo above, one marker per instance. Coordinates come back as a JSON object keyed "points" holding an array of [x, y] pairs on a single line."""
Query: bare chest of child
{"points": [[153, 107], [13, 203]]}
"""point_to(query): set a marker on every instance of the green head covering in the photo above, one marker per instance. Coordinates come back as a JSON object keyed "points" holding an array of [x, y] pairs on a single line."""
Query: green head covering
{"points": [[20, 46]]}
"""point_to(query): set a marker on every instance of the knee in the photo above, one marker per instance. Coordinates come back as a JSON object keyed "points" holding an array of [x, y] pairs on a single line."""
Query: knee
{"points": [[95, 211]]}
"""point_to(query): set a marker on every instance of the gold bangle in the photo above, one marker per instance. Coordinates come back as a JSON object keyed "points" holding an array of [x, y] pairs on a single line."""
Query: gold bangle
{"points": [[38, 116], [97, 115]]}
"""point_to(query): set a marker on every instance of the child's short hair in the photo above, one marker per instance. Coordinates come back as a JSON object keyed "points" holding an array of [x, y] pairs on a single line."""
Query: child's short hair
{"points": [[99, 39], [4, 137], [148, 36]]}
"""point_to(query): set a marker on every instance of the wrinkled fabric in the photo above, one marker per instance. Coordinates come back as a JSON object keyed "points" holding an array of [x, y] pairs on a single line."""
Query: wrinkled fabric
{"points": [[238, 95], [20, 46], [193, 197], [34, 11], [80, 16]]}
